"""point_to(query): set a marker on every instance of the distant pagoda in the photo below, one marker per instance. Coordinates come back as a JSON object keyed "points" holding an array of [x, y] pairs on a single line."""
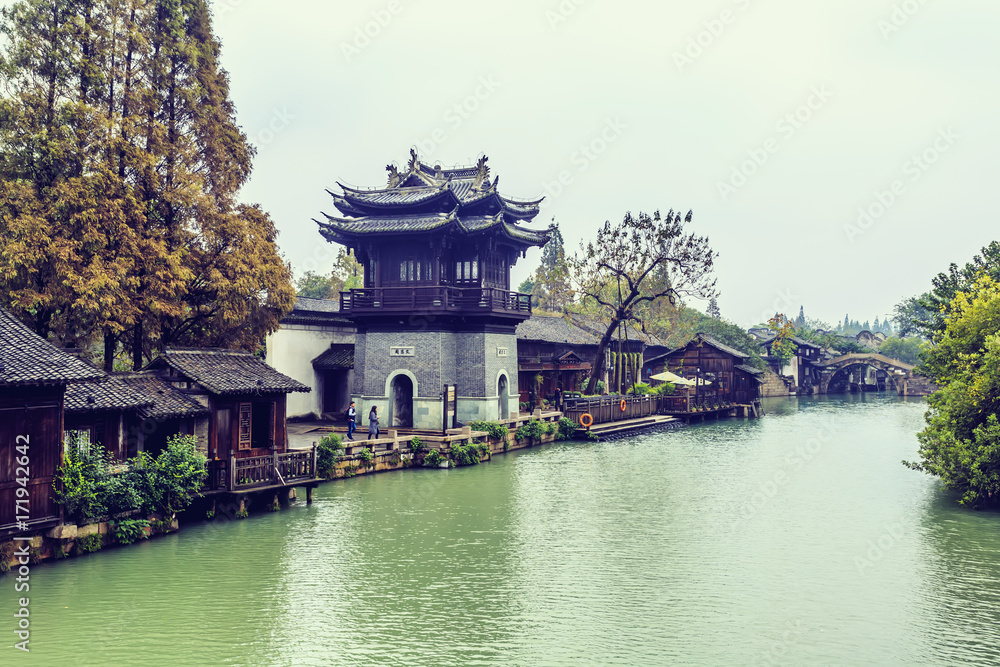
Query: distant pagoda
{"points": [[437, 308]]}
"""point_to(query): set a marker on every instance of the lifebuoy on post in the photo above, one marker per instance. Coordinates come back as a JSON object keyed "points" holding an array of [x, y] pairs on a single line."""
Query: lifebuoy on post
{"points": [[586, 420], [623, 405]]}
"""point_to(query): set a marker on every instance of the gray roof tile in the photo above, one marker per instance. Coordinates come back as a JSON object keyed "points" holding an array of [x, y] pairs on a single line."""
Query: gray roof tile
{"points": [[228, 372], [108, 393], [27, 359]]}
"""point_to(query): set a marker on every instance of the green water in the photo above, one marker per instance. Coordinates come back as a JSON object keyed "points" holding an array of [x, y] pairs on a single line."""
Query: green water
{"points": [[796, 539]]}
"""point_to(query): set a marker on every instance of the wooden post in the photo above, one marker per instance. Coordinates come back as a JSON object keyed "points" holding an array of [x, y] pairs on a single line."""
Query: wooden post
{"points": [[309, 495], [274, 468], [232, 471], [315, 465]]}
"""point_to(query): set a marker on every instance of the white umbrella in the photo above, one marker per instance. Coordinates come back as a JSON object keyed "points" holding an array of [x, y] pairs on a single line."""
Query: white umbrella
{"points": [[667, 376]]}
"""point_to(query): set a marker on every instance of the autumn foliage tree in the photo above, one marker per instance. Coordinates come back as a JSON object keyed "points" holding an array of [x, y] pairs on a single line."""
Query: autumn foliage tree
{"points": [[120, 168], [643, 259]]}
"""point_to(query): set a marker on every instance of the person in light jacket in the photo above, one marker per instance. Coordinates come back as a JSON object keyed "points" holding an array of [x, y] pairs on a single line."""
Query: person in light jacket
{"points": [[352, 421], [373, 423]]}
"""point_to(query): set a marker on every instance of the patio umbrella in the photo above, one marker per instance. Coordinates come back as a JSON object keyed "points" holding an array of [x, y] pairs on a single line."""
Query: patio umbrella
{"points": [[667, 376]]}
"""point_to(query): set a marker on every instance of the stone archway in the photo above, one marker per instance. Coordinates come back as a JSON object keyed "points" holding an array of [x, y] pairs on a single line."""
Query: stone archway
{"points": [[401, 396]]}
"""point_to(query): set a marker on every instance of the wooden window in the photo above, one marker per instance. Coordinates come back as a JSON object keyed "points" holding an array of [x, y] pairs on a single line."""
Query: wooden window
{"points": [[246, 426]]}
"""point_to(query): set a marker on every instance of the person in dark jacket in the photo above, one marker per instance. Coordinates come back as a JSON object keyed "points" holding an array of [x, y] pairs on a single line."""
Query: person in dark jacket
{"points": [[352, 420], [373, 423]]}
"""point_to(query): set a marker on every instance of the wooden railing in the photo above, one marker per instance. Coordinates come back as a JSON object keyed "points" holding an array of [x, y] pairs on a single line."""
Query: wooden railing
{"points": [[609, 408], [433, 298], [277, 469]]}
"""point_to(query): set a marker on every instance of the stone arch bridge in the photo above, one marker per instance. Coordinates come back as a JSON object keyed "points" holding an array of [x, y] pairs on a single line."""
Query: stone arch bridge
{"points": [[899, 373]]}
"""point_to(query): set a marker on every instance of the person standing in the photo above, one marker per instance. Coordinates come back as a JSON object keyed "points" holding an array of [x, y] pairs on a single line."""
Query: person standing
{"points": [[373, 423], [352, 420]]}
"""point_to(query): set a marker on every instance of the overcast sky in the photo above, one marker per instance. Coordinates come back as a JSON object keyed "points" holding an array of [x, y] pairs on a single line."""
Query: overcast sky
{"points": [[774, 120]]}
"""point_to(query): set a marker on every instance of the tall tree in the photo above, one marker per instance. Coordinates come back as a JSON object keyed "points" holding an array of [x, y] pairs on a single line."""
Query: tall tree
{"points": [[551, 285], [120, 167], [614, 271], [713, 309]]}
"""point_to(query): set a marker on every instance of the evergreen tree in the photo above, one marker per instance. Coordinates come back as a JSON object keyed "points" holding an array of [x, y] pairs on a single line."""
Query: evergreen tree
{"points": [[551, 285], [713, 309], [800, 321]]}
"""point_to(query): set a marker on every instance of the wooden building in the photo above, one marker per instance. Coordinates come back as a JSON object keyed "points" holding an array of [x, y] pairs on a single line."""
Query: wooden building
{"points": [[721, 375], [171, 411], [98, 412], [33, 379], [437, 314], [246, 399], [552, 353]]}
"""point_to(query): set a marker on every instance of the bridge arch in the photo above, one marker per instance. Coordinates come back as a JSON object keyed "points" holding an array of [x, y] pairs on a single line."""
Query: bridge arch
{"points": [[897, 372]]}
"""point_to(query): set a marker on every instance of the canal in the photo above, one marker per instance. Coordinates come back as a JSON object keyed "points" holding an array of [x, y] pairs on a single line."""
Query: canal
{"points": [[796, 539]]}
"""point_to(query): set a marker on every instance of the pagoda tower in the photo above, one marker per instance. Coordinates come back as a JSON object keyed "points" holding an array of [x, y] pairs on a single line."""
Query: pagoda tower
{"points": [[436, 317]]}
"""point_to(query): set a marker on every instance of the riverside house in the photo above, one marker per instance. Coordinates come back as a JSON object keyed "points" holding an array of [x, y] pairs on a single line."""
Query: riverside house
{"points": [[33, 379], [247, 435]]}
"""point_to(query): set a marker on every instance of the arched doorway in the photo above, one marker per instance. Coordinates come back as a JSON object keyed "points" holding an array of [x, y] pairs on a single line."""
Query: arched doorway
{"points": [[402, 401], [503, 393]]}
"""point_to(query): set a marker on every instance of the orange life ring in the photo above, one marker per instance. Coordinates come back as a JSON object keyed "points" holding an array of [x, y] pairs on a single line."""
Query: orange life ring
{"points": [[623, 405], [586, 420]]}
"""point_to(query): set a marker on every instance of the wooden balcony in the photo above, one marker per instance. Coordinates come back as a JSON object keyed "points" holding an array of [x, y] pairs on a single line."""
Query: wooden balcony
{"points": [[255, 472], [434, 299]]}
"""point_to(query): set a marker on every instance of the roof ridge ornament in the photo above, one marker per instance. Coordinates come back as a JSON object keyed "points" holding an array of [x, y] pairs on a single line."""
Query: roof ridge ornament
{"points": [[413, 159], [483, 171], [394, 176]]}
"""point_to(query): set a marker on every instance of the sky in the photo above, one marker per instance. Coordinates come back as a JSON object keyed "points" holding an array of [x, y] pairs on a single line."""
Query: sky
{"points": [[837, 153]]}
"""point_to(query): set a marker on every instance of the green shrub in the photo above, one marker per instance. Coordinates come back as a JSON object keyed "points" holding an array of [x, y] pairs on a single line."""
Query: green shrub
{"points": [[91, 486], [567, 429], [366, 456], [328, 452], [89, 544], [128, 531], [469, 454], [78, 483], [415, 445], [433, 458], [641, 389], [534, 430], [496, 430]]}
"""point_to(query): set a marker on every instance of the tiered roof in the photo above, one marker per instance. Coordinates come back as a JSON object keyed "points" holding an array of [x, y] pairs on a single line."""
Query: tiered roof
{"points": [[430, 199]]}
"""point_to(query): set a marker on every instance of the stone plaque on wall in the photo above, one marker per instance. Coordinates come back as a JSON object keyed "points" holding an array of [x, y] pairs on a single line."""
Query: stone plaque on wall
{"points": [[401, 351]]}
